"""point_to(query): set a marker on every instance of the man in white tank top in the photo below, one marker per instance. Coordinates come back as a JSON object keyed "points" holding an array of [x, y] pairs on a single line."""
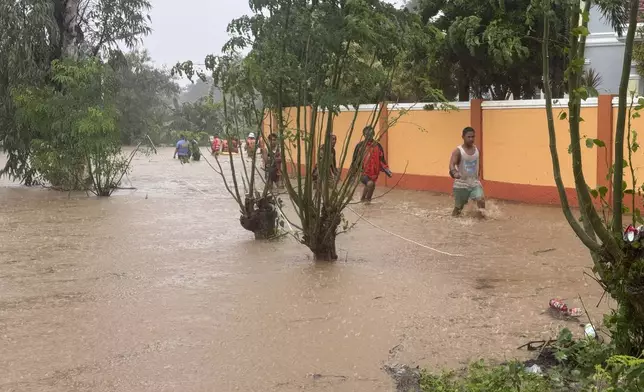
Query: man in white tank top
{"points": [[464, 168]]}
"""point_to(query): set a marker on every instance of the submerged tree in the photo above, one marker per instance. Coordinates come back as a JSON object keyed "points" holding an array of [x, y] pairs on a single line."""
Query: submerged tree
{"points": [[310, 58], [34, 34], [618, 262], [79, 146], [240, 113]]}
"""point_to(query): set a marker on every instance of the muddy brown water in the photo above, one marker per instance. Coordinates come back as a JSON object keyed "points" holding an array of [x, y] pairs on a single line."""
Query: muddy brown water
{"points": [[160, 289]]}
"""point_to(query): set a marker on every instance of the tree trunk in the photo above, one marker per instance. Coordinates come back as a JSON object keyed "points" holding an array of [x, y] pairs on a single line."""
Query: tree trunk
{"points": [[326, 252], [324, 249], [618, 168], [67, 14], [618, 265], [262, 221], [323, 245], [463, 89]]}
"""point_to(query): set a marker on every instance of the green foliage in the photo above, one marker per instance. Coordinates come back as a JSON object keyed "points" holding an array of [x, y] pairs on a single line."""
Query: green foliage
{"points": [[78, 144], [583, 365], [488, 49], [591, 79], [638, 54], [482, 378], [144, 98], [424, 73], [106, 24], [615, 374], [204, 115], [238, 114], [325, 55], [578, 358], [620, 374], [33, 34], [625, 278], [618, 264], [200, 89], [311, 41]]}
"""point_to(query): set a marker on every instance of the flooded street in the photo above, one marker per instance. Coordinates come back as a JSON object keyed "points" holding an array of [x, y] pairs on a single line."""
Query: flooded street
{"points": [[160, 289]]}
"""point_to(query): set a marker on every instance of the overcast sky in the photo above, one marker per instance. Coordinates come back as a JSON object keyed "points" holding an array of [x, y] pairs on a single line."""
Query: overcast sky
{"points": [[191, 29]]}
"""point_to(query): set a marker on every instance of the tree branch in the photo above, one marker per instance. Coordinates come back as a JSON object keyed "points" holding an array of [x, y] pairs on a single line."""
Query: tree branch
{"points": [[618, 168], [574, 224]]}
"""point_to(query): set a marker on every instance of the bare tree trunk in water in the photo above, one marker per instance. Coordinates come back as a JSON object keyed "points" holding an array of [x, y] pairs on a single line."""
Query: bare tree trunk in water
{"points": [[262, 221], [324, 249]]}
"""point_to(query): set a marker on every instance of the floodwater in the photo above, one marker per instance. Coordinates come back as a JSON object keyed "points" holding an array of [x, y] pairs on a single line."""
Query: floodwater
{"points": [[160, 289]]}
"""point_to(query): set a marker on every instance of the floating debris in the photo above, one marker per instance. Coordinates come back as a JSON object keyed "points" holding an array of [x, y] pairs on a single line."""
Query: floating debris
{"points": [[534, 369], [560, 306]]}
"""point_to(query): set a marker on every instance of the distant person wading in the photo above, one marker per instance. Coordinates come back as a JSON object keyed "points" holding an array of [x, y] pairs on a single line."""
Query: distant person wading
{"points": [[272, 157], [251, 145], [182, 150], [216, 145]]}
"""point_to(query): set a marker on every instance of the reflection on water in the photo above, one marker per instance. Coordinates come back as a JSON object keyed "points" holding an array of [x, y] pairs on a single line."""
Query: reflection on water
{"points": [[160, 289]]}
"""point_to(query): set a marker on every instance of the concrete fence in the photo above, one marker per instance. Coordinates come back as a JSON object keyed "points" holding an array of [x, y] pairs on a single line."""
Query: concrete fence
{"points": [[511, 135]]}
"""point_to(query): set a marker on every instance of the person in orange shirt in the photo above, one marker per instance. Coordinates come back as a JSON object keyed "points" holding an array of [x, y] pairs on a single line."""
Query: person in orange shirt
{"points": [[216, 145], [370, 154]]}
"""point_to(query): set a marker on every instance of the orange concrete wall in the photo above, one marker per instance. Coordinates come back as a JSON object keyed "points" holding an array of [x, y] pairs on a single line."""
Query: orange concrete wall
{"points": [[347, 126], [512, 137], [637, 126], [517, 147], [423, 140]]}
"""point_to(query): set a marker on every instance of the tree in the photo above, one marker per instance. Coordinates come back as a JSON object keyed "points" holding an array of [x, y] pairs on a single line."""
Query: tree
{"points": [[144, 97], [315, 56], [200, 89], [638, 52], [618, 262], [239, 114], [486, 48], [79, 145], [424, 74], [204, 115], [28, 39], [34, 34]]}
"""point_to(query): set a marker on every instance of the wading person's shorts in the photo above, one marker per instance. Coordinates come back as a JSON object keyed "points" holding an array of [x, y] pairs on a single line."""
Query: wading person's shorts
{"points": [[364, 179], [463, 195]]}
